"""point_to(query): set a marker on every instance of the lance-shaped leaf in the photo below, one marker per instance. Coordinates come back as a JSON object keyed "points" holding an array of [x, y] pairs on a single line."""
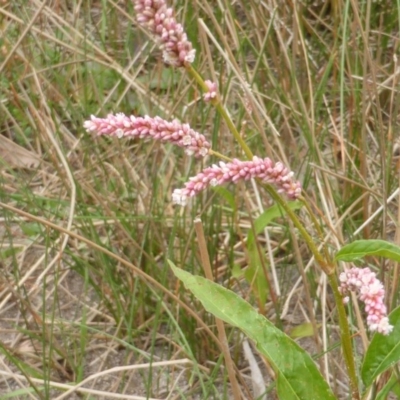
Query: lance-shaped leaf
{"points": [[361, 248], [297, 376]]}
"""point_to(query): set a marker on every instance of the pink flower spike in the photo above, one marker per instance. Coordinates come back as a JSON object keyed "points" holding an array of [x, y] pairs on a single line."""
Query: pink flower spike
{"points": [[146, 127], [370, 291], [159, 20], [264, 169], [211, 94]]}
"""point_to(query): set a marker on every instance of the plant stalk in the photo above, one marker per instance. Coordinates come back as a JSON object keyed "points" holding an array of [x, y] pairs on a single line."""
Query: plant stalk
{"points": [[205, 261], [345, 337], [329, 268]]}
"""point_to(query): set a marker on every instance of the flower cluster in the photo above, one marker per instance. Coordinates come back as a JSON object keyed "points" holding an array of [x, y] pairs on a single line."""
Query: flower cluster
{"points": [[156, 128], [264, 169], [370, 291], [155, 16], [211, 93]]}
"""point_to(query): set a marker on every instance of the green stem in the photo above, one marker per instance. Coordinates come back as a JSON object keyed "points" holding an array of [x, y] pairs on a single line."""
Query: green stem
{"points": [[219, 155], [345, 337], [329, 268], [221, 110], [318, 228]]}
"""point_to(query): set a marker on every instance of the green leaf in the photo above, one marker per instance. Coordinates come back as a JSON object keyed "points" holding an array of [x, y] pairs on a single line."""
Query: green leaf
{"points": [[297, 374], [264, 219], [383, 351], [31, 228], [362, 248], [11, 251], [227, 195], [254, 273], [237, 271], [301, 331]]}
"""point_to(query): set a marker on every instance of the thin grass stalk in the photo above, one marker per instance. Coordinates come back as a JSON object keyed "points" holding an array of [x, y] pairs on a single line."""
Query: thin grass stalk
{"points": [[267, 238], [205, 262], [309, 301], [317, 226], [395, 283], [272, 290], [345, 337], [22, 36], [121, 260]]}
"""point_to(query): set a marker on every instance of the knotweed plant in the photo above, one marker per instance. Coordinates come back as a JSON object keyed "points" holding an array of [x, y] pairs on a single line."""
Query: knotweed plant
{"points": [[296, 374]]}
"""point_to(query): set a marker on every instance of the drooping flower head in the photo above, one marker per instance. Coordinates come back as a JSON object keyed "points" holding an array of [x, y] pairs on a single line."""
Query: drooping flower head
{"points": [[264, 169], [146, 127], [159, 20], [371, 292]]}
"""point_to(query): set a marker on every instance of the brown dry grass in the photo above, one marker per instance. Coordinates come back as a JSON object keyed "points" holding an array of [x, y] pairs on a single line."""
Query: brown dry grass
{"points": [[86, 296]]}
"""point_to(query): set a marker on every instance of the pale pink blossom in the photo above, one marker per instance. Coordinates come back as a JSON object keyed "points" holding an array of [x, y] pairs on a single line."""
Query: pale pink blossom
{"points": [[371, 292], [264, 169], [156, 128], [211, 93], [159, 20]]}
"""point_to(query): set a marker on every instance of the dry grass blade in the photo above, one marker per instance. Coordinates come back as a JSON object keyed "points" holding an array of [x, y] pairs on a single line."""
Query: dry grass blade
{"points": [[16, 156], [87, 224]]}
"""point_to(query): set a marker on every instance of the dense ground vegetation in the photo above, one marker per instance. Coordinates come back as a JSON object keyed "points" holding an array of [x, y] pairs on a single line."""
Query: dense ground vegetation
{"points": [[87, 224]]}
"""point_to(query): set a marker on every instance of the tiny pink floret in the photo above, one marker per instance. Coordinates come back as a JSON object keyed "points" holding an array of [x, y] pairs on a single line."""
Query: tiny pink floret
{"points": [[219, 174], [371, 292], [159, 20], [174, 132], [211, 93]]}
